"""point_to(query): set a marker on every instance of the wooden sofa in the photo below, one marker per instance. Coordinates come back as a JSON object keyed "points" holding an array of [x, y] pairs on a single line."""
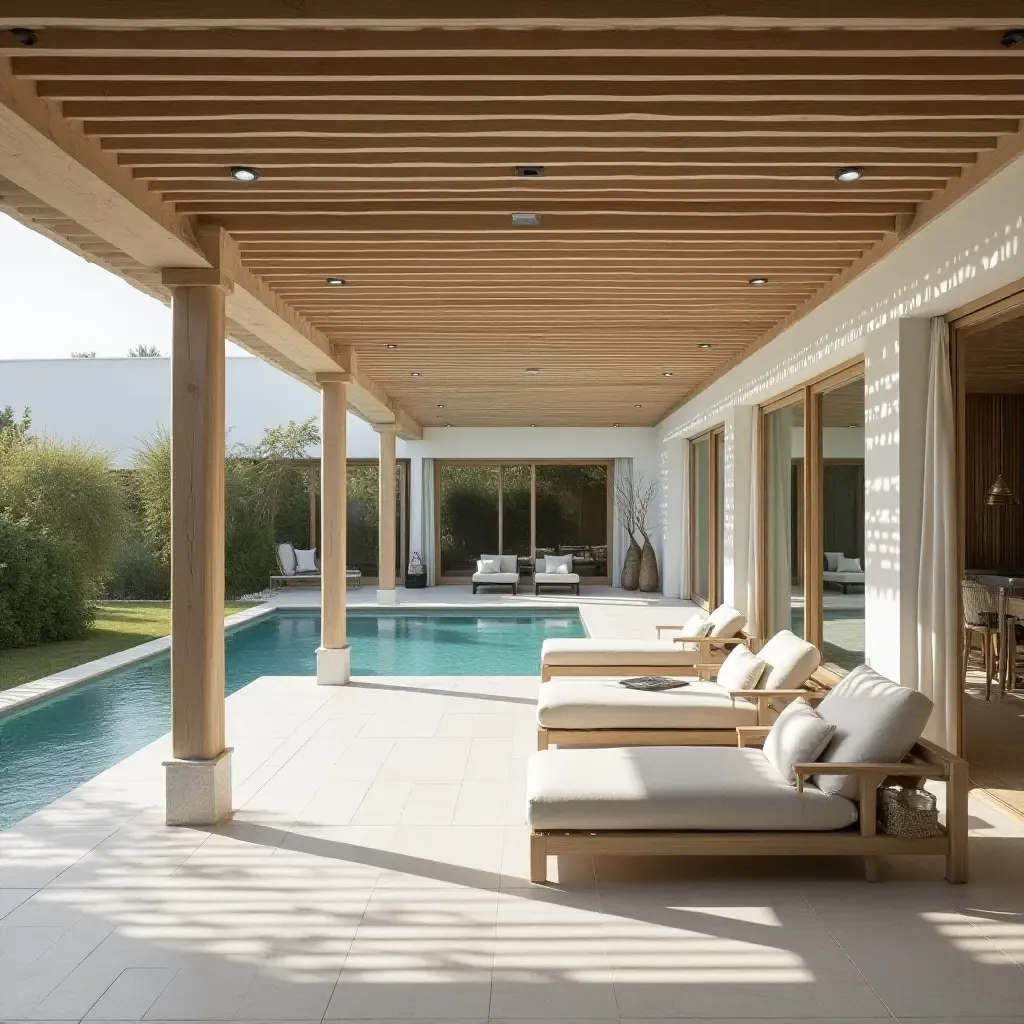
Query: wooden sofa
{"points": [[645, 801]]}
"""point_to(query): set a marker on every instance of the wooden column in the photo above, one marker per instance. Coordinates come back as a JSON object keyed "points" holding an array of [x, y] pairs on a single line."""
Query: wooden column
{"points": [[311, 494], [333, 657], [198, 779], [388, 479]]}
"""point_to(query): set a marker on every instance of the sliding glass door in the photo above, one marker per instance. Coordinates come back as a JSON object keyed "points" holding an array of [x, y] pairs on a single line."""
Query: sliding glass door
{"points": [[707, 501]]}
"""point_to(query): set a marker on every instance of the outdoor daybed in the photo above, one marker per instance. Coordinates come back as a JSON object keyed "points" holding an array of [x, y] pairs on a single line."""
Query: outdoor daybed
{"points": [[705, 639], [600, 711], [303, 567], [497, 571], [842, 571], [810, 791], [555, 571]]}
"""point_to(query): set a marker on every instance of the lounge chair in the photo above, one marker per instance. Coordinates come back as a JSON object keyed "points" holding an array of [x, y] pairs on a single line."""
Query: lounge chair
{"points": [[743, 800], [288, 562], [746, 690], [842, 571], [497, 571], [700, 643], [555, 571]]}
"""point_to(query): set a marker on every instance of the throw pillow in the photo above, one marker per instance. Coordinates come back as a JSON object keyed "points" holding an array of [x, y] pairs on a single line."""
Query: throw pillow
{"points": [[286, 556], [832, 560], [697, 625], [305, 561], [798, 736], [741, 670], [488, 565], [559, 564], [849, 565]]}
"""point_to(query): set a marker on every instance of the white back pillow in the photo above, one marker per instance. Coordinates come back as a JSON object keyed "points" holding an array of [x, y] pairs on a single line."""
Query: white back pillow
{"points": [[558, 563], [305, 560], [849, 565], [286, 555], [726, 621], [741, 670], [487, 566], [798, 736], [790, 661]]}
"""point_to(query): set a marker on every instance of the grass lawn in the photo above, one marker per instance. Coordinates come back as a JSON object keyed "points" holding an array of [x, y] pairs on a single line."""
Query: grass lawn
{"points": [[117, 626]]}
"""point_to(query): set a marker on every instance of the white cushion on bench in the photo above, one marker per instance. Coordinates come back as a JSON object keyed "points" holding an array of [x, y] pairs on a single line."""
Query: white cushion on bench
{"points": [[790, 661], [673, 788], [600, 652], [495, 577], [606, 704], [830, 576], [556, 577]]}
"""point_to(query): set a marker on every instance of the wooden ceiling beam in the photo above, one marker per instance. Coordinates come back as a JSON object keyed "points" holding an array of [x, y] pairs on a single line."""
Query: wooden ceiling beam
{"points": [[403, 14], [552, 67], [496, 42]]}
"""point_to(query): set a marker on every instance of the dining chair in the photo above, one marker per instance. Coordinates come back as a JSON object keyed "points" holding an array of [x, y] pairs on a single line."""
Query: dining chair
{"points": [[981, 621]]}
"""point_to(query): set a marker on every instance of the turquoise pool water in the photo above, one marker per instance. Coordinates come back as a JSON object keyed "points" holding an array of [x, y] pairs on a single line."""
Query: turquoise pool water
{"points": [[53, 746]]}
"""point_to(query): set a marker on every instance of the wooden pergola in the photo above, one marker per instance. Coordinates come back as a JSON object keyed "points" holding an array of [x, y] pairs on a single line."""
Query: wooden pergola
{"points": [[560, 212]]}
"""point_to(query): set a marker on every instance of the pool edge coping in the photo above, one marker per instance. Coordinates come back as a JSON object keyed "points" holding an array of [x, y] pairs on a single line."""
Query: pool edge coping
{"points": [[18, 697]]}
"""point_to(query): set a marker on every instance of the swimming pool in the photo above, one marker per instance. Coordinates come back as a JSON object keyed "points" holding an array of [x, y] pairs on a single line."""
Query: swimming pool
{"points": [[49, 748]]}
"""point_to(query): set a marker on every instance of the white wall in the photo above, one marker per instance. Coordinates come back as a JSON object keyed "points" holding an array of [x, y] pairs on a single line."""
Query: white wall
{"points": [[972, 250]]}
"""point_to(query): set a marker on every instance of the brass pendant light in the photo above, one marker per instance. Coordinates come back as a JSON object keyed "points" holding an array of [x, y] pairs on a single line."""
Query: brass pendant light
{"points": [[1000, 494]]}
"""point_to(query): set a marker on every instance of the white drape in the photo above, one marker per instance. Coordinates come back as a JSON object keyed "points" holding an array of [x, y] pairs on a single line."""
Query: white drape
{"points": [[427, 524], [780, 521], [754, 519], [937, 584], [622, 471]]}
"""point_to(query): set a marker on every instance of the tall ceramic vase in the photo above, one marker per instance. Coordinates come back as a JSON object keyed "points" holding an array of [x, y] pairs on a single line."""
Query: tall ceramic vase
{"points": [[649, 581], [630, 578]]}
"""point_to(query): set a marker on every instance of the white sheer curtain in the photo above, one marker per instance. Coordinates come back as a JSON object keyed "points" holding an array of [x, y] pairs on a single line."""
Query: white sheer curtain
{"points": [[937, 584], [427, 523], [780, 512], [622, 471], [754, 519]]}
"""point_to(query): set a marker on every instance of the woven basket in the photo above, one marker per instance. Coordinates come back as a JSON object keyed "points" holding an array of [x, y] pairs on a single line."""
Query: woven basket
{"points": [[907, 813]]}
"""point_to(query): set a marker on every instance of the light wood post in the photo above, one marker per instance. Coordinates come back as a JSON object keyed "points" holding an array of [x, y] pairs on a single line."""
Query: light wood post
{"points": [[311, 494], [199, 776], [333, 658], [388, 483]]}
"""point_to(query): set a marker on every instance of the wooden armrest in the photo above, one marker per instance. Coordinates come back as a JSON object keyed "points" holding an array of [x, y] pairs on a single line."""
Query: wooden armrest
{"points": [[747, 733], [770, 695], [878, 769]]}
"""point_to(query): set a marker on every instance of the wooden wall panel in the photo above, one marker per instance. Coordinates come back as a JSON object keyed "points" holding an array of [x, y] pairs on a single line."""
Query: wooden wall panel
{"points": [[994, 440]]}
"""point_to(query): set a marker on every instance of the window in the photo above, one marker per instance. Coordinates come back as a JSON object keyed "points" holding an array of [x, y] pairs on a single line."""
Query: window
{"points": [[707, 499], [523, 508]]}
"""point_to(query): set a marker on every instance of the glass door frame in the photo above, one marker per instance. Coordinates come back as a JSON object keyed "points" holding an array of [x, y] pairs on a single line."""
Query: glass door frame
{"points": [[608, 464], [715, 436]]}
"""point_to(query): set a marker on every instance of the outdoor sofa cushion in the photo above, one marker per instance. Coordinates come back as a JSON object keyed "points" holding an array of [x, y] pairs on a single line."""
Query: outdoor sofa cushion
{"points": [[673, 788], [564, 578], [798, 736], [726, 621], [849, 565], [495, 577], [875, 720], [286, 559], [305, 560], [790, 661], [506, 563], [560, 564], [843, 577], [602, 653], [485, 566], [604, 703], [741, 670]]}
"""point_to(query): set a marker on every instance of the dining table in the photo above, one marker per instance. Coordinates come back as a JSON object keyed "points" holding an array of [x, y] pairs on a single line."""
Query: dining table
{"points": [[1010, 609]]}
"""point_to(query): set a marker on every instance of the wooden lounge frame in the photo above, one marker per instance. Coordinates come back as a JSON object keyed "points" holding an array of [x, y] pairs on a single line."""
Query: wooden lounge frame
{"points": [[925, 761]]}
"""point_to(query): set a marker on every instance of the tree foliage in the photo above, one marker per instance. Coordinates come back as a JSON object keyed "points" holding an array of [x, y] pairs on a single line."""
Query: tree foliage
{"points": [[144, 352]]}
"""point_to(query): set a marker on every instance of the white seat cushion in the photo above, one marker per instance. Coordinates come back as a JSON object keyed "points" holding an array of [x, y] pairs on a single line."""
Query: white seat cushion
{"points": [[673, 788], [842, 577], [875, 720], [604, 703], [601, 652], [556, 577], [495, 577], [790, 661], [726, 621]]}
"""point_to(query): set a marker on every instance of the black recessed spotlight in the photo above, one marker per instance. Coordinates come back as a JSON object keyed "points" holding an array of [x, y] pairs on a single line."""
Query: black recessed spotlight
{"points": [[758, 280], [244, 174], [846, 175], [530, 171], [704, 345], [1013, 37], [335, 282], [25, 36]]}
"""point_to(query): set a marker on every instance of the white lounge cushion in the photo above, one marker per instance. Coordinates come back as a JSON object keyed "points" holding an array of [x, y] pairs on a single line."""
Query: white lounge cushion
{"points": [[495, 577], [556, 577], [601, 652], [604, 703], [875, 719], [741, 670], [798, 736], [510, 563], [286, 556], [843, 577], [488, 565], [558, 563], [726, 621], [305, 560], [849, 565], [832, 560], [790, 661], [697, 625], [673, 788]]}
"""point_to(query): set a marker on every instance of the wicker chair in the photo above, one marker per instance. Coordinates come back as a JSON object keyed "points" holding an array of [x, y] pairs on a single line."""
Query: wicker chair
{"points": [[981, 620]]}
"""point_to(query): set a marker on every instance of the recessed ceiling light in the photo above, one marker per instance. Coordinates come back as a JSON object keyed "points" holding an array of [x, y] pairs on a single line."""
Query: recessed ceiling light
{"points": [[759, 280], [530, 171], [440, 405], [415, 373], [615, 424], [335, 282], [447, 424], [27, 37], [391, 344], [638, 406], [533, 424], [532, 370], [1015, 37], [848, 174], [525, 220], [667, 373], [704, 345], [240, 173]]}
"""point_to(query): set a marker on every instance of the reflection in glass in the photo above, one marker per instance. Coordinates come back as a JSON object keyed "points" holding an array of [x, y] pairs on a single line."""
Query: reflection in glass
{"points": [[468, 503], [842, 419], [572, 515], [719, 518], [701, 520], [515, 511], [363, 504], [784, 446]]}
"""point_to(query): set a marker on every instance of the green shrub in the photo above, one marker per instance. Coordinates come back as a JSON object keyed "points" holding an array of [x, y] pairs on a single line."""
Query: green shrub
{"points": [[152, 483], [43, 591], [138, 573]]}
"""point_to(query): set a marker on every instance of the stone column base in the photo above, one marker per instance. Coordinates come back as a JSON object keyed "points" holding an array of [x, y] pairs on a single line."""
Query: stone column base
{"points": [[199, 792], [333, 665], [388, 597]]}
